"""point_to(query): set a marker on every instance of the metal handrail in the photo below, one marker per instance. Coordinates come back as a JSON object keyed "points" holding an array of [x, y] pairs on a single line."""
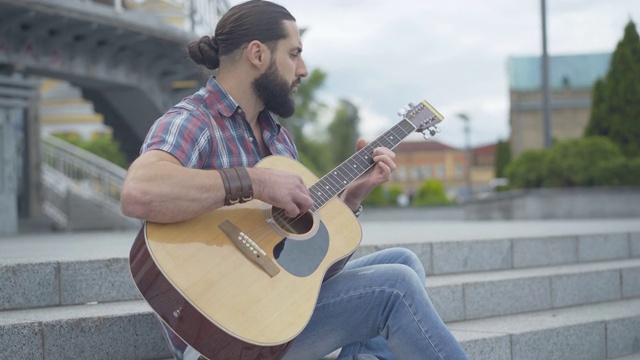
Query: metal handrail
{"points": [[103, 178]]}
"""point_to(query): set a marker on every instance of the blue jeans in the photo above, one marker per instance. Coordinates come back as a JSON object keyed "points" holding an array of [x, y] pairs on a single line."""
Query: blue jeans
{"points": [[377, 306]]}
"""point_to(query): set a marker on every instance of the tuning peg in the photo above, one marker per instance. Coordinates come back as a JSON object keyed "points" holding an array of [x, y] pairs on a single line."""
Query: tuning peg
{"points": [[430, 132], [412, 105], [401, 112]]}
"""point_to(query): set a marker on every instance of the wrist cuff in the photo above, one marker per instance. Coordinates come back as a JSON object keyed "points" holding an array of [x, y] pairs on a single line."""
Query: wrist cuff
{"points": [[237, 185]]}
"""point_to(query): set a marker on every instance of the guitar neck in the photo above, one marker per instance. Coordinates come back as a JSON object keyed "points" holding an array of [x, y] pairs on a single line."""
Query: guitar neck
{"points": [[344, 174]]}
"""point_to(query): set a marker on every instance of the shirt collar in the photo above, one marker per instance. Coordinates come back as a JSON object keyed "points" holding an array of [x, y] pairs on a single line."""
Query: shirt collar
{"points": [[220, 99], [226, 106]]}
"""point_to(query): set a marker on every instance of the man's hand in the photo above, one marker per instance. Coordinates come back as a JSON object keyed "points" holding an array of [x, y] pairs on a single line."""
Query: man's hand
{"points": [[282, 189], [378, 174]]}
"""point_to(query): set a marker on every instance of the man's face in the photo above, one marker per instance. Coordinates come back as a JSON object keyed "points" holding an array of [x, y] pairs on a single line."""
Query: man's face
{"points": [[275, 92], [276, 85]]}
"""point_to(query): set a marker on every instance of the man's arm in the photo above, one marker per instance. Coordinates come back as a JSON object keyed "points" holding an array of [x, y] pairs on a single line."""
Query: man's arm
{"points": [[159, 189]]}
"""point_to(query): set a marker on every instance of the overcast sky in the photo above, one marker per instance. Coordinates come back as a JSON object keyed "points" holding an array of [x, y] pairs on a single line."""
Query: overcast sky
{"points": [[382, 54]]}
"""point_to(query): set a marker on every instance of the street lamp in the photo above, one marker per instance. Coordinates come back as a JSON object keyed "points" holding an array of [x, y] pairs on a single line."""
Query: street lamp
{"points": [[545, 79], [468, 157]]}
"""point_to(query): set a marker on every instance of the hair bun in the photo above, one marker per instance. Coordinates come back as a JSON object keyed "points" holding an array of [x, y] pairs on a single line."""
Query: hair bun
{"points": [[211, 42], [205, 52]]}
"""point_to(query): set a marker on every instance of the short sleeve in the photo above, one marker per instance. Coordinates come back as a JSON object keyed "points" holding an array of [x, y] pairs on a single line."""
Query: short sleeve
{"points": [[183, 134]]}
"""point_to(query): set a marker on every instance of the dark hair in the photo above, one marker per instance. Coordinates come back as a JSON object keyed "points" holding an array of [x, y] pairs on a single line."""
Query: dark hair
{"points": [[253, 20]]}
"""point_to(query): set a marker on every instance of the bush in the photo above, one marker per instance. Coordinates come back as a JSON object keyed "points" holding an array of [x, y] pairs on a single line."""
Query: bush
{"points": [[393, 193], [618, 172], [431, 193], [590, 161], [383, 196], [375, 198], [103, 146], [578, 162], [527, 171]]}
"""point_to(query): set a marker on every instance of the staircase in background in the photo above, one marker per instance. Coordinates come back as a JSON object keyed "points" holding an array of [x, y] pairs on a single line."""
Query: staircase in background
{"points": [[81, 190]]}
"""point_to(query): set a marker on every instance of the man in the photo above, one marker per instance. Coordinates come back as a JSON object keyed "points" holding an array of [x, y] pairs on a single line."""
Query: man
{"points": [[377, 306]]}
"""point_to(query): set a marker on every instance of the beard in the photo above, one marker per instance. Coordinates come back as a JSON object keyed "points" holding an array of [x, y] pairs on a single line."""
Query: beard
{"points": [[274, 92]]}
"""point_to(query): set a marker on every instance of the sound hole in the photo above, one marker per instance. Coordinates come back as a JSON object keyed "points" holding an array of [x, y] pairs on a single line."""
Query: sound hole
{"points": [[301, 224]]}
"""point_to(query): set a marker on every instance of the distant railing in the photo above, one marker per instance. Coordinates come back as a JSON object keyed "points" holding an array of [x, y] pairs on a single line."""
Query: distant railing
{"points": [[99, 177], [199, 16]]}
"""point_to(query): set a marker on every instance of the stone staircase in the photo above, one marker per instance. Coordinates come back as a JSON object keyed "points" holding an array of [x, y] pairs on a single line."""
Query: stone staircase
{"points": [[70, 296]]}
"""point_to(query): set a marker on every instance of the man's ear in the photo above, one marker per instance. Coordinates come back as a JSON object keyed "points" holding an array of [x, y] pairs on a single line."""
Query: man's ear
{"points": [[258, 54]]}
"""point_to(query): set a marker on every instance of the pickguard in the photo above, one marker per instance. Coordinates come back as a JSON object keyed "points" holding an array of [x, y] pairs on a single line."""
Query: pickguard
{"points": [[302, 257]]}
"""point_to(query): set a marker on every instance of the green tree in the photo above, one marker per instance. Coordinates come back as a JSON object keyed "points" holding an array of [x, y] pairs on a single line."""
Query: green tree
{"points": [[616, 99], [431, 193], [343, 132], [312, 150], [503, 157], [307, 105]]}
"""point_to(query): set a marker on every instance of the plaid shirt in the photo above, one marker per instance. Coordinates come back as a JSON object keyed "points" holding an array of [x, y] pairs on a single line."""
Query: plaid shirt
{"points": [[209, 130]]}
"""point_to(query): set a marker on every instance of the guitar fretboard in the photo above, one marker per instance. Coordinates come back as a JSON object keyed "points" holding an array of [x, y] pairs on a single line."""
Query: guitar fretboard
{"points": [[344, 174]]}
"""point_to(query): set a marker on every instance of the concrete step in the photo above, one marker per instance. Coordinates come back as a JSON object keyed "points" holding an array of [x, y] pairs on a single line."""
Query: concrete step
{"points": [[635, 356], [119, 330], [598, 331], [28, 285], [128, 330], [503, 253], [485, 294], [32, 284]]}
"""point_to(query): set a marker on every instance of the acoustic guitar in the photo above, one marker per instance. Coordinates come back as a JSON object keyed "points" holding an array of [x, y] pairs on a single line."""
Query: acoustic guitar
{"points": [[242, 281]]}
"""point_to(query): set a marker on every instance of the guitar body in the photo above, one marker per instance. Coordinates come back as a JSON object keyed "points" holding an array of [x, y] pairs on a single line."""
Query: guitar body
{"points": [[222, 303]]}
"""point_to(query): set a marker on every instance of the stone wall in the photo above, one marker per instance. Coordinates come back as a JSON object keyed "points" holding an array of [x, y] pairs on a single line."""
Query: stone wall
{"points": [[565, 203]]}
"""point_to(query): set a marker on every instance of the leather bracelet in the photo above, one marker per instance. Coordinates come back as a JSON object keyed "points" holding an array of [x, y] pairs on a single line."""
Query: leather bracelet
{"points": [[225, 182], [237, 185], [245, 182]]}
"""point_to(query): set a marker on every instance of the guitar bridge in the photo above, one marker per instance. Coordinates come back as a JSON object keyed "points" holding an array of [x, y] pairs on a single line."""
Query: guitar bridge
{"points": [[249, 248]]}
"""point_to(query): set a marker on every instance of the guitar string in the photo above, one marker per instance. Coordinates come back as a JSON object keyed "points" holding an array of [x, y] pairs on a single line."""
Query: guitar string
{"points": [[396, 131]]}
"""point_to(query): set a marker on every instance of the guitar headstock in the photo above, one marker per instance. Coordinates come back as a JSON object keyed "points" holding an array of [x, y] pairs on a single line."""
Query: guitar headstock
{"points": [[424, 117]]}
